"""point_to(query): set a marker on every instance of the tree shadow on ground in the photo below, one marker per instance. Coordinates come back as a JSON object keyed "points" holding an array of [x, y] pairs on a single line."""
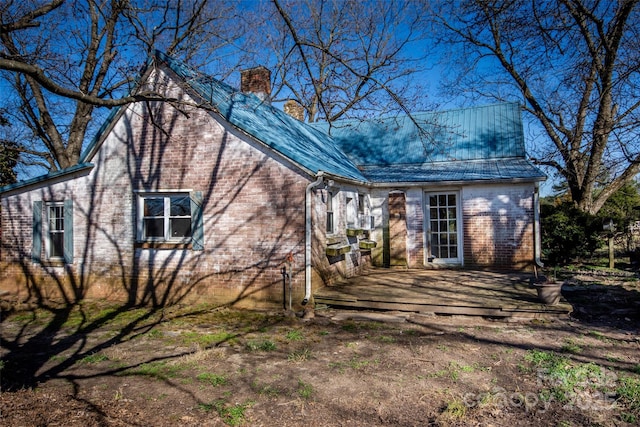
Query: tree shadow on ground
{"points": [[61, 333], [615, 305], [50, 341]]}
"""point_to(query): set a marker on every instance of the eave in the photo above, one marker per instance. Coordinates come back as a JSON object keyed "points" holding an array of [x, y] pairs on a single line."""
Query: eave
{"points": [[53, 177]]}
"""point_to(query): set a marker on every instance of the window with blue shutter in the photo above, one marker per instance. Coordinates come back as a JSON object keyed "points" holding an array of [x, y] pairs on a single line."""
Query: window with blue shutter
{"points": [[53, 229]]}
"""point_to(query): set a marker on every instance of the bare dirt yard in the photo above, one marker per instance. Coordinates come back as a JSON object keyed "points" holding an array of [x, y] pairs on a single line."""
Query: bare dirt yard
{"points": [[97, 364]]}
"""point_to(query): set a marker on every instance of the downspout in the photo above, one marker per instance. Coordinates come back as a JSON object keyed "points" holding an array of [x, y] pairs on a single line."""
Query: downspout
{"points": [[308, 233], [536, 229]]}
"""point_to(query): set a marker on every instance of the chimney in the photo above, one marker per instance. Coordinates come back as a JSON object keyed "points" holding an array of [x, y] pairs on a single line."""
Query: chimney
{"points": [[294, 109], [257, 81]]}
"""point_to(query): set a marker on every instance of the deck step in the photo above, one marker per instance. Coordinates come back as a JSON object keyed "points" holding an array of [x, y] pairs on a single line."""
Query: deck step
{"points": [[528, 313], [444, 291]]}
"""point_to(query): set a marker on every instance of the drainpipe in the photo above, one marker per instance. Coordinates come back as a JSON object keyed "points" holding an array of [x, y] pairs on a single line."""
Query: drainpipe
{"points": [[536, 230], [307, 240]]}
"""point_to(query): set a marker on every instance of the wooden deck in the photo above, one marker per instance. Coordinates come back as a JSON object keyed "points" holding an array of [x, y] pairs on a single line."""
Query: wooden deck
{"points": [[464, 292]]}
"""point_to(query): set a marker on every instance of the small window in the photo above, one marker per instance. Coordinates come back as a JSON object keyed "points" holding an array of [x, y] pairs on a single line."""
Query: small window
{"points": [[55, 232], [164, 217], [330, 223], [52, 228]]}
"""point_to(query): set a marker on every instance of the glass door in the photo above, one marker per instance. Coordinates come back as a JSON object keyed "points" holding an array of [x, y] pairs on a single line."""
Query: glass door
{"points": [[443, 232]]}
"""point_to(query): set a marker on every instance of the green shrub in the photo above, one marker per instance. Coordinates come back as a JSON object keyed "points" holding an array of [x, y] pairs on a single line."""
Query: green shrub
{"points": [[568, 234]]}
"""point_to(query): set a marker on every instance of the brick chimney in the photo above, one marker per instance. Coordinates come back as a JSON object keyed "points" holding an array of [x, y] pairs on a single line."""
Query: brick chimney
{"points": [[257, 81], [294, 109]]}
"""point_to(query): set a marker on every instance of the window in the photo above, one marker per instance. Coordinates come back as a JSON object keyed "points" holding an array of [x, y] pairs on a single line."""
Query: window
{"points": [[366, 222], [444, 226], [55, 234], [165, 217], [330, 224], [171, 217], [53, 229]]}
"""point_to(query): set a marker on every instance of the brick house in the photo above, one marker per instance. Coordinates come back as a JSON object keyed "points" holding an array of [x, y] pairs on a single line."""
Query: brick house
{"points": [[218, 196]]}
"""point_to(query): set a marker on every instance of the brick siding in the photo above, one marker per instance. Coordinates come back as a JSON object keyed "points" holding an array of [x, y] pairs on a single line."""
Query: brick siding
{"points": [[253, 217], [498, 226]]}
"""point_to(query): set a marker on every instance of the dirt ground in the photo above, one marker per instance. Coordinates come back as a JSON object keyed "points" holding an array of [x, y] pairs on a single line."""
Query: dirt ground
{"points": [[102, 365]]}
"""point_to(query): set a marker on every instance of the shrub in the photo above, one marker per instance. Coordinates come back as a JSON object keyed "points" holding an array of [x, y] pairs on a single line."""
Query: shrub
{"points": [[568, 234]]}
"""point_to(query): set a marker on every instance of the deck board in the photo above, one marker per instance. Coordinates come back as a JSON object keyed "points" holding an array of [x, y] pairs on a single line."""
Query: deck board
{"points": [[464, 292]]}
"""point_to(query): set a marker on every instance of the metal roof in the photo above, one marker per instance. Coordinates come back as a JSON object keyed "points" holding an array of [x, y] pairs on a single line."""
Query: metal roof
{"points": [[473, 144], [59, 174], [301, 143], [486, 132], [491, 170]]}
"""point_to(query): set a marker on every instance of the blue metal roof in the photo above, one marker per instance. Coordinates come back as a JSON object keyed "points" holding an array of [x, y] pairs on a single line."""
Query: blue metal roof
{"points": [[472, 144], [490, 170], [487, 132], [50, 176], [479, 143], [303, 144]]}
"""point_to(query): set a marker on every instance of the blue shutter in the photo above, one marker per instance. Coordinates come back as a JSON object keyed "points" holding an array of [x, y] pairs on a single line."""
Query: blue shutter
{"points": [[197, 228], [36, 243], [68, 231]]}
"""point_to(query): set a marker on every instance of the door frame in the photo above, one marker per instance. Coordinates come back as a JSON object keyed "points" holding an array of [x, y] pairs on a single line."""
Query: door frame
{"points": [[392, 242], [428, 258]]}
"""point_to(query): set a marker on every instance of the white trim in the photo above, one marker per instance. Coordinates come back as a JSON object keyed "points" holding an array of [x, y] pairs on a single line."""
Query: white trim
{"points": [[141, 196], [428, 258], [46, 236]]}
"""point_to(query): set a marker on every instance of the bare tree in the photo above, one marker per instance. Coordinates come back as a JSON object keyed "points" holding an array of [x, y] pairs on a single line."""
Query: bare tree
{"points": [[65, 61], [574, 65], [62, 60], [345, 58]]}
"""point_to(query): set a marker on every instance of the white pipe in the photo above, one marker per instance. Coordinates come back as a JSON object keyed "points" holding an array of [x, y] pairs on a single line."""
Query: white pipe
{"points": [[307, 240]]}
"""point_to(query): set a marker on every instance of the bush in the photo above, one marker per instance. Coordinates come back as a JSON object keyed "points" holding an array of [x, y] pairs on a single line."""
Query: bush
{"points": [[568, 234]]}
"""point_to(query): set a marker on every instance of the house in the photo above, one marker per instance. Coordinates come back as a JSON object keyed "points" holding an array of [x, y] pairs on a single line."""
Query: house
{"points": [[218, 196]]}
